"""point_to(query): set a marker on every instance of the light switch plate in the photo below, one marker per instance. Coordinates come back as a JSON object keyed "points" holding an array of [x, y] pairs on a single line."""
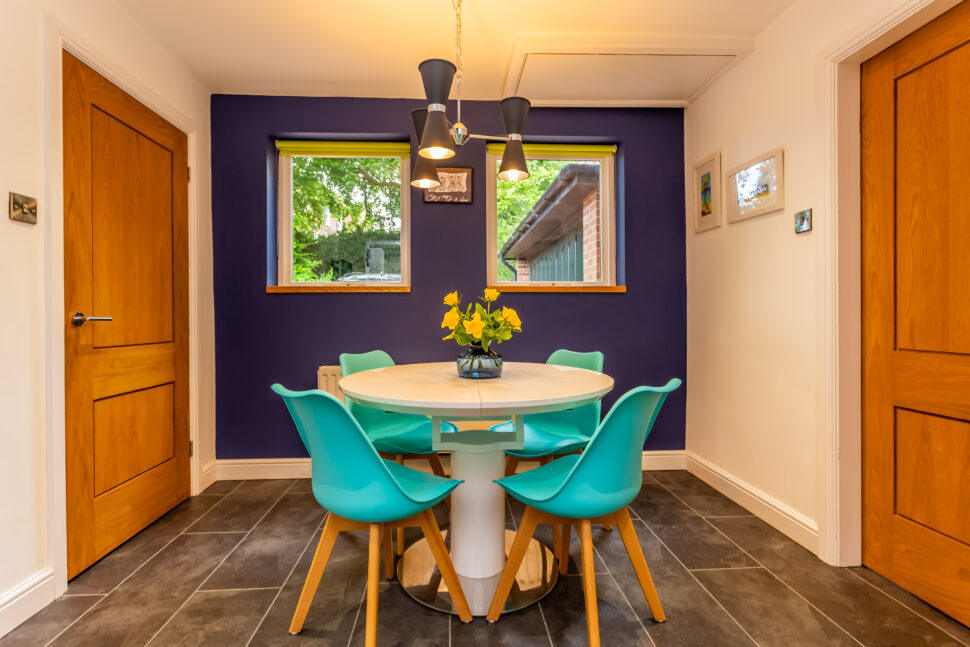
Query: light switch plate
{"points": [[23, 208], [803, 221]]}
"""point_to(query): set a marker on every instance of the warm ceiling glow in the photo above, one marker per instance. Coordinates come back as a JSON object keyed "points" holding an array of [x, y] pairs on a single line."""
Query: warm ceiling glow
{"points": [[436, 152]]}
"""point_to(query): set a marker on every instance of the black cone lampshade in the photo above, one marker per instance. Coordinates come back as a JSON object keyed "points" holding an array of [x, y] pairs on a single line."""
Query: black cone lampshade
{"points": [[437, 75], [514, 112], [425, 174]]}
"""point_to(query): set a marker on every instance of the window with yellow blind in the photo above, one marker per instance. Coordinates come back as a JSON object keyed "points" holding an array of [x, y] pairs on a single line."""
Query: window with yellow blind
{"points": [[343, 216], [556, 229]]}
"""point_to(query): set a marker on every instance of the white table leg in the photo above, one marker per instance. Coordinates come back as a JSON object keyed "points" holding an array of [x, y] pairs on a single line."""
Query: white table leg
{"points": [[478, 523]]}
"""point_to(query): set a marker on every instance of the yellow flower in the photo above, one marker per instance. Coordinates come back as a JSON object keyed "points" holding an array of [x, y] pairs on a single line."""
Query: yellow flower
{"points": [[451, 319], [491, 294], [512, 317], [474, 326], [451, 299]]}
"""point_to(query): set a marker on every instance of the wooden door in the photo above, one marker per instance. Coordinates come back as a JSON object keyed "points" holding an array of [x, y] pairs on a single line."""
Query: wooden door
{"points": [[125, 257], [916, 312]]}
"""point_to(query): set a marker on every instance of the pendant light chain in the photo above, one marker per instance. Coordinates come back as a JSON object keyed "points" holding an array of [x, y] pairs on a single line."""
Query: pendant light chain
{"points": [[457, 6]]}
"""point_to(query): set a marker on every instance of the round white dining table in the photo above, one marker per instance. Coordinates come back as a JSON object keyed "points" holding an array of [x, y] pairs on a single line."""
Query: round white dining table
{"points": [[477, 530]]}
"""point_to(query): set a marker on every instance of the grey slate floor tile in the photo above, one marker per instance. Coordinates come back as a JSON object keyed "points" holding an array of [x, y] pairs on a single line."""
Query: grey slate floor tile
{"points": [[771, 612], [694, 616], [52, 620], [839, 594], [402, 622], [243, 508], [701, 497], [216, 619], [565, 614], [334, 609], [685, 533], [267, 555]]}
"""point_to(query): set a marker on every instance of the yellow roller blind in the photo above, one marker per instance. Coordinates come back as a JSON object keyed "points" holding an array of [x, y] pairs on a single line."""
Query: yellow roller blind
{"points": [[572, 150], [343, 149]]}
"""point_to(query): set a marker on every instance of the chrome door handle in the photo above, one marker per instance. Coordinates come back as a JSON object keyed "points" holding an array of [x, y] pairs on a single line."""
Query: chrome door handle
{"points": [[79, 318]]}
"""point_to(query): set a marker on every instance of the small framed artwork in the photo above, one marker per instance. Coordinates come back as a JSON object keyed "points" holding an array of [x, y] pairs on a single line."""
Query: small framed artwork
{"points": [[706, 188], [757, 187], [456, 186]]}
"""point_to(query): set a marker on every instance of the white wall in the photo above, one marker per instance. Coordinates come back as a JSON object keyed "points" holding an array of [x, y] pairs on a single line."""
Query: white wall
{"points": [[761, 308], [31, 345]]}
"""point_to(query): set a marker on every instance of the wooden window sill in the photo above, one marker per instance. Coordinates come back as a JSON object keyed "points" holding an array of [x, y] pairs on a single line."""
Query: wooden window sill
{"points": [[559, 288], [283, 289]]}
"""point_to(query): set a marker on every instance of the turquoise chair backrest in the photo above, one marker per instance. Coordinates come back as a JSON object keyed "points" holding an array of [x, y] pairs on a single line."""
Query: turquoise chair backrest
{"points": [[609, 474], [587, 417], [349, 477], [351, 363]]}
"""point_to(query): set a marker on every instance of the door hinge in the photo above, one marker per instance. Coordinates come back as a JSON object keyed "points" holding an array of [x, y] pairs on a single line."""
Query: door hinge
{"points": [[188, 173], [191, 448]]}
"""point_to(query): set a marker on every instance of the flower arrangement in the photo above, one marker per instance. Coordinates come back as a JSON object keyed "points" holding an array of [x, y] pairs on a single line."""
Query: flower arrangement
{"points": [[479, 324]]}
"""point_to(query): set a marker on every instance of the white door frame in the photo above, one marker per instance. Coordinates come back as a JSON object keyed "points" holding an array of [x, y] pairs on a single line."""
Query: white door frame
{"points": [[58, 37], [840, 446]]}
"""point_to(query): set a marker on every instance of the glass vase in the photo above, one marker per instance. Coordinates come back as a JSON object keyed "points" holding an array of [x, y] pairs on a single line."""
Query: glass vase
{"points": [[476, 363]]}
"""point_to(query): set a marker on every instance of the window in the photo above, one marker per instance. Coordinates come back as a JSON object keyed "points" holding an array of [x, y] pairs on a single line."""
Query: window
{"points": [[343, 216], [555, 229]]}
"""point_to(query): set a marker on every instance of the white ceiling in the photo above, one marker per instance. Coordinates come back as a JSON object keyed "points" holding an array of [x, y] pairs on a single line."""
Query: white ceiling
{"points": [[544, 49]]}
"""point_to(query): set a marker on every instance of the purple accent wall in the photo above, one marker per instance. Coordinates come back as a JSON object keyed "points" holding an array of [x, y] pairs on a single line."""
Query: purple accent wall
{"points": [[264, 338]]}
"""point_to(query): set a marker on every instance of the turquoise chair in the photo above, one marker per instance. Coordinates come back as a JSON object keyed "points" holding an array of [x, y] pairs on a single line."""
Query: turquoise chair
{"points": [[558, 432], [395, 435], [362, 491], [595, 486]]}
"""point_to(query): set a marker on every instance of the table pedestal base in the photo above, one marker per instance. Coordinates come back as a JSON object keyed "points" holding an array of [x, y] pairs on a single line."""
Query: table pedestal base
{"points": [[420, 579]]}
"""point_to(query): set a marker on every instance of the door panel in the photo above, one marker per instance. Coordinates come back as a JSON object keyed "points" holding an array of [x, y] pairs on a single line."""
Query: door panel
{"points": [[932, 176], [125, 257], [916, 318], [132, 218], [142, 423]]}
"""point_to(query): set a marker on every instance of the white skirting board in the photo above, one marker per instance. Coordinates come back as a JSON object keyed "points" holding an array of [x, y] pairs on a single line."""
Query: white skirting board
{"points": [[299, 468], [782, 517], [26, 599]]}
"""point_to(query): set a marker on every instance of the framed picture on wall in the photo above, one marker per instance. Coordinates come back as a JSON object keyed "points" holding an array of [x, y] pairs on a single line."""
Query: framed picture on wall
{"points": [[456, 186], [706, 191], [757, 187]]}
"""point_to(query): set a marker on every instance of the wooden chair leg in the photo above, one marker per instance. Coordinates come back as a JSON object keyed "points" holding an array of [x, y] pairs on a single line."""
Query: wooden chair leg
{"points": [[320, 558], [373, 577], [388, 553], [556, 539], [436, 465], [399, 459], [441, 557], [545, 460], [565, 536], [511, 464], [607, 526], [522, 538], [589, 584], [633, 549]]}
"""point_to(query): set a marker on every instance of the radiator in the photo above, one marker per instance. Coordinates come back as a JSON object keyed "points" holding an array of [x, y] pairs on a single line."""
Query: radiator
{"points": [[327, 379]]}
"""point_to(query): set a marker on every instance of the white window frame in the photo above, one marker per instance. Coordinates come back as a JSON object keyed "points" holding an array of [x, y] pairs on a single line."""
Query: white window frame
{"points": [[606, 155], [284, 210]]}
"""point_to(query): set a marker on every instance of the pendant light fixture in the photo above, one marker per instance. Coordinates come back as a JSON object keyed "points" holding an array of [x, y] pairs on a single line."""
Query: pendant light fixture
{"points": [[425, 174], [440, 137]]}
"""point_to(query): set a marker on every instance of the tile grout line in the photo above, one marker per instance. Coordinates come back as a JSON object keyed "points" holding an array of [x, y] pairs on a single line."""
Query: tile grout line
{"points": [[287, 579], [729, 568], [544, 623], [694, 577], [81, 595], [105, 595], [255, 588], [139, 567], [360, 605], [623, 594], [906, 606], [773, 574], [221, 562]]}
